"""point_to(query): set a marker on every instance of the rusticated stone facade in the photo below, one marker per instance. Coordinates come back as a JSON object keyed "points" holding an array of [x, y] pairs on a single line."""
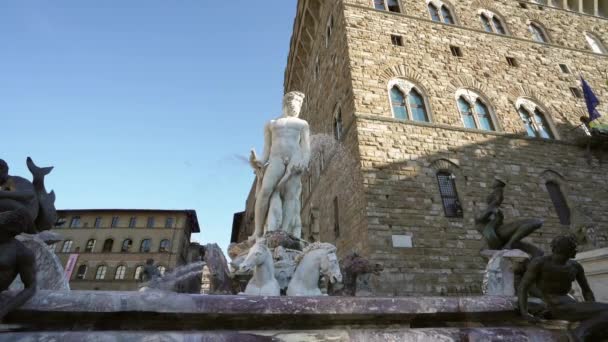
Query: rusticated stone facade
{"points": [[386, 186]]}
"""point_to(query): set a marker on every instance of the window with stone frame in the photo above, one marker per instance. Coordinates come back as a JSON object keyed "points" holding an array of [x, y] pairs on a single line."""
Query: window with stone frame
{"points": [[492, 23], [387, 5], [338, 123], [535, 121], [81, 272], [115, 220], [138, 271], [132, 222], [90, 246], [67, 246], [407, 101], [595, 43], [474, 111], [107, 245], [75, 222], [97, 223], [440, 12], [170, 222], [449, 195], [145, 246], [559, 202], [120, 272], [101, 272], [538, 33], [150, 222], [126, 245], [164, 246]]}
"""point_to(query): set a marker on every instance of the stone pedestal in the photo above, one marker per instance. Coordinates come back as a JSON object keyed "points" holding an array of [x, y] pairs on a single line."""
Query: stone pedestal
{"points": [[595, 263], [499, 278]]}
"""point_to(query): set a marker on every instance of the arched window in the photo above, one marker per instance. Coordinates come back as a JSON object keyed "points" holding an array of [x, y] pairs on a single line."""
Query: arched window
{"points": [[126, 245], [387, 5], [492, 23], [407, 101], [440, 12], [338, 123], [145, 246], [164, 246], [120, 272], [449, 195], [483, 115], [448, 18], [595, 43], [107, 245], [434, 11], [82, 272], [417, 106], [399, 105], [90, 246], [534, 120], [474, 112], [138, 271], [67, 246], [538, 33], [101, 272], [161, 269], [559, 202], [486, 23], [467, 113]]}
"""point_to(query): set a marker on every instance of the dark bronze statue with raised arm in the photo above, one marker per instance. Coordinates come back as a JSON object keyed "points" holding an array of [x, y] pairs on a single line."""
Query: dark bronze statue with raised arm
{"points": [[25, 207], [500, 235], [553, 276]]}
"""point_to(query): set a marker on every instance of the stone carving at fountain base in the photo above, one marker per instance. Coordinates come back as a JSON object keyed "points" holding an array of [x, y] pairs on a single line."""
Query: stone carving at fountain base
{"points": [[259, 261], [500, 275], [49, 270], [318, 259], [294, 263]]}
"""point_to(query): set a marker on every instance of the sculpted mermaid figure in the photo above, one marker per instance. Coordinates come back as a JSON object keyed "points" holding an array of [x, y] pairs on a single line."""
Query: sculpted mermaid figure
{"points": [[500, 235], [25, 207]]}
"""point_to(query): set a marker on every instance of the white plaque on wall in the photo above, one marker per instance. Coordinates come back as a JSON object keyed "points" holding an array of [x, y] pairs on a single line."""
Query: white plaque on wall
{"points": [[402, 241]]}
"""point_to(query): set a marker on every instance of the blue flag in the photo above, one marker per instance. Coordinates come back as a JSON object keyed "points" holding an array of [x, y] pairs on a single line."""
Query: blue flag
{"points": [[591, 100]]}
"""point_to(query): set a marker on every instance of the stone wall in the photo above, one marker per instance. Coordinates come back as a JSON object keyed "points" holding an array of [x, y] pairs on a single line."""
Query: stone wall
{"points": [[395, 192], [400, 161]]}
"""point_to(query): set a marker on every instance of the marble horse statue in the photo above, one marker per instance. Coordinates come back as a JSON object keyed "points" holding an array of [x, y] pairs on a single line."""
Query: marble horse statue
{"points": [[259, 259], [317, 259]]}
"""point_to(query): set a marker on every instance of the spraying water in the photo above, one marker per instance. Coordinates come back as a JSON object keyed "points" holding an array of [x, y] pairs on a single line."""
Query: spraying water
{"points": [[179, 274]]}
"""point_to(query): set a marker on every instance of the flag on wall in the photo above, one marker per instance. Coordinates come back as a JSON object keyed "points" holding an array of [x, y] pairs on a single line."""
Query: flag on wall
{"points": [[69, 266], [591, 100]]}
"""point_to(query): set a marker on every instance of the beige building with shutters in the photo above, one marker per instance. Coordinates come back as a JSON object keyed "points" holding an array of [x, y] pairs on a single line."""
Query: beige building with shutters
{"points": [[110, 246], [432, 101]]}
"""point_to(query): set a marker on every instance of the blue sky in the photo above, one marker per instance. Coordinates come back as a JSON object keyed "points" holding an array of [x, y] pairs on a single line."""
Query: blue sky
{"points": [[142, 104]]}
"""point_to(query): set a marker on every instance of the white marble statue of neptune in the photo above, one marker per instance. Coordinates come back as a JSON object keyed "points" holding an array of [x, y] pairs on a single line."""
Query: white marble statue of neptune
{"points": [[279, 171]]}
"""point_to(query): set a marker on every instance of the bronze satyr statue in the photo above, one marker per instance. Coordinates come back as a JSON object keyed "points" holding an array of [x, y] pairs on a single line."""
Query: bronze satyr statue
{"points": [[553, 276], [500, 235], [25, 207]]}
